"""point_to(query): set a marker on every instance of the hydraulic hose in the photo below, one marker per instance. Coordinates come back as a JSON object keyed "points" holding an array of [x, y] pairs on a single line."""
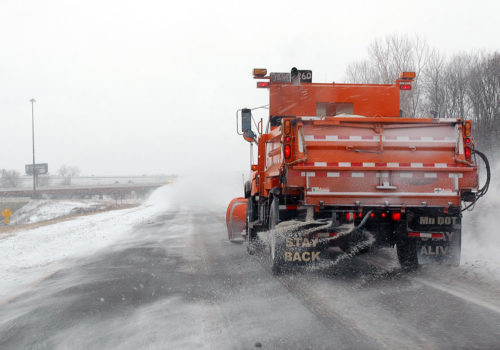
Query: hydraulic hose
{"points": [[483, 190]]}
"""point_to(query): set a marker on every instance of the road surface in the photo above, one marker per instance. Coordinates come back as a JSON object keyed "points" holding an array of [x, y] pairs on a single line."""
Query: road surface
{"points": [[176, 282]]}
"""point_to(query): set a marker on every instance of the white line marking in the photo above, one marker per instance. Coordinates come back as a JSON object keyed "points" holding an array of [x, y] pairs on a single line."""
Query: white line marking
{"points": [[460, 295]]}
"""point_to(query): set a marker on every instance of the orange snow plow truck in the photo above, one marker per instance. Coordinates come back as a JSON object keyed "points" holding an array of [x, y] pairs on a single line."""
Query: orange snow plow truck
{"points": [[339, 170]]}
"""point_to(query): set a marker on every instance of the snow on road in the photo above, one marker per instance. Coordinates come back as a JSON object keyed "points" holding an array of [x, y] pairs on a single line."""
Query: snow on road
{"points": [[32, 254], [481, 233]]}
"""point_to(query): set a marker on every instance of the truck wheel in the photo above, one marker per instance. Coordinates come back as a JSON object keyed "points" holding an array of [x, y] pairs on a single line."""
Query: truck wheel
{"points": [[275, 244], [251, 235], [407, 254]]}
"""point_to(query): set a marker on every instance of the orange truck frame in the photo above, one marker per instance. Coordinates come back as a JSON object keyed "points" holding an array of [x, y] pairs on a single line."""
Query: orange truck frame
{"points": [[339, 166]]}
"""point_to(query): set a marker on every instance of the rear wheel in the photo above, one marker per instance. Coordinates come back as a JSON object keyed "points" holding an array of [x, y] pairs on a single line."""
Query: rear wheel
{"points": [[407, 254]]}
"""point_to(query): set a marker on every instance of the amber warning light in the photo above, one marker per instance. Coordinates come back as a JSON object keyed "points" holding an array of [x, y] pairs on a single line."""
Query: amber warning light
{"points": [[259, 72]]}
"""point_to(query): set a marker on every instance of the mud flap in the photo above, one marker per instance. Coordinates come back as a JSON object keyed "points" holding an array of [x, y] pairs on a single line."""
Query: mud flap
{"points": [[437, 237], [440, 250]]}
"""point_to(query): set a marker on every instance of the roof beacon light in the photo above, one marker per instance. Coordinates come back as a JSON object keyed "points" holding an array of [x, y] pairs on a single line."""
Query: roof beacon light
{"points": [[407, 75], [259, 72]]}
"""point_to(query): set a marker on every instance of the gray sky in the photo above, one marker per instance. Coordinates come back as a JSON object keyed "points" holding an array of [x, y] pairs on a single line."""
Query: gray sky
{"points": [[134, 87]]}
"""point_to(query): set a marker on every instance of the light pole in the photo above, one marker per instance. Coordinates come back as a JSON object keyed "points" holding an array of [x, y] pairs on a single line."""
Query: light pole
{"points": [[33, 139]]}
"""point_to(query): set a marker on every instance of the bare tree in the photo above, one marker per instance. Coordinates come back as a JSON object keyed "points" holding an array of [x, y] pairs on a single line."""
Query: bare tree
{"points": [[484, 95], [10, 178], [432, 83], [361, 72], [68, 172], [387, 58], [465, 86]]}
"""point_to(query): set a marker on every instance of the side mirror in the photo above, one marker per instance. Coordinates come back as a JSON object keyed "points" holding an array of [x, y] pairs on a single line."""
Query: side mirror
{"points": [[246, 124], [246, 119]]}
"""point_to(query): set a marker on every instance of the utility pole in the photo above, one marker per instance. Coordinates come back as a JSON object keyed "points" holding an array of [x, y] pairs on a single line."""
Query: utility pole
{"points": [[33, 139]]}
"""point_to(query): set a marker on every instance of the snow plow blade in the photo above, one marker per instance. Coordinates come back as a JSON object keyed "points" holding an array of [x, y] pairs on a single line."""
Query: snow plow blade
{"points": [[236, 218]]}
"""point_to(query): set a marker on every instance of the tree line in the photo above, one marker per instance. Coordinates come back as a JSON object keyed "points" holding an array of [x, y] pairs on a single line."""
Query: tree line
{"points": [[463, 85]]}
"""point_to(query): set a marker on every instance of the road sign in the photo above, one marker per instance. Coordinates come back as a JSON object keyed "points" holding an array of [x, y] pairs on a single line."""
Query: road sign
{"points": [[6, 213], [41, 169]]}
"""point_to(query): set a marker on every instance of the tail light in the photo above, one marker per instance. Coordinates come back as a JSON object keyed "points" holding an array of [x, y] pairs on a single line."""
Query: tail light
{"points": [[405, 87], [396, 216], [468, 141], [383, 215], [468, 153], [287, 150], [287, 139], [349, 217], [262, 84], [254, 167]]}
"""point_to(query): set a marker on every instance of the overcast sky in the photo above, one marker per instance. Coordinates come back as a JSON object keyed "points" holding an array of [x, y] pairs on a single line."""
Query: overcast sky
{"points": [[145, 87]]}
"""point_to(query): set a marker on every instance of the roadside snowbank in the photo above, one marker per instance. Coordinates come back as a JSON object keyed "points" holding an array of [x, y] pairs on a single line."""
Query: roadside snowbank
{"points": [[43, 210], [32, 254]]}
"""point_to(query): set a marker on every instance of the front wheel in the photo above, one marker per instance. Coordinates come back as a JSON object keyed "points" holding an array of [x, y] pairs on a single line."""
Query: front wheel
{"points": [[251, 234]]}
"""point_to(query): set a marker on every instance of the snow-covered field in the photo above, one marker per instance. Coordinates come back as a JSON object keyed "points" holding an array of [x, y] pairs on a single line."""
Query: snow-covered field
{"points": [[31, 254]]}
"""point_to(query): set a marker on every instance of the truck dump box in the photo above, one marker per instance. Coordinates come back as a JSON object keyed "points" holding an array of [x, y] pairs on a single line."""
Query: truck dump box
{"points": [[379, 161]]}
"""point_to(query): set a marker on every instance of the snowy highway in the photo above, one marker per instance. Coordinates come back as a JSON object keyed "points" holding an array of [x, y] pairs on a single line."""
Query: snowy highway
{"points": [[169, 278]]}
